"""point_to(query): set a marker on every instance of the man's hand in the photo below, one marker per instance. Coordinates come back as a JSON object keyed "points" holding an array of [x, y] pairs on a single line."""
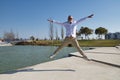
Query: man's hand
{"points": [[90, 16], [50, 20]]}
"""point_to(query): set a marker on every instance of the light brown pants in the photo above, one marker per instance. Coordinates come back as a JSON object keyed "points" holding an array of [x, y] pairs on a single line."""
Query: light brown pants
{"points": [[70, 40]]}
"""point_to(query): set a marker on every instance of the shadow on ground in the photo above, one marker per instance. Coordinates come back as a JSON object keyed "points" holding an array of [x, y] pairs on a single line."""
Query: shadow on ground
{"points": [[98, 61], [32, 70]]}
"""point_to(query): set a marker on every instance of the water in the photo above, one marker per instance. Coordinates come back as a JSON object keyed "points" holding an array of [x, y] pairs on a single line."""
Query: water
{"points": [[15, 57]]}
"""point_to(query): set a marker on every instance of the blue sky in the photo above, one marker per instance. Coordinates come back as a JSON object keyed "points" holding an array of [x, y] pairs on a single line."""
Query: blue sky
{"points": [[29, 17]]}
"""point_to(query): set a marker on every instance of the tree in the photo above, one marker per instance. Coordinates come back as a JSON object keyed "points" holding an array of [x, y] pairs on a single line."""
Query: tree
{"points": [[85, 31], [56, 31], [51, 31], [32, 38], [9, 36], [62, 33], [101, 31]]}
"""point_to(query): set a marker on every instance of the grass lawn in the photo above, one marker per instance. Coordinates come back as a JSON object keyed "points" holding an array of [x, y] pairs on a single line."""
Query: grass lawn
{"points": [[98, 43], [85, 43]]}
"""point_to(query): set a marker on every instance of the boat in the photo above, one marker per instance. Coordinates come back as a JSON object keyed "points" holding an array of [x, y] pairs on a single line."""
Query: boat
{"points": [[2, 43]]}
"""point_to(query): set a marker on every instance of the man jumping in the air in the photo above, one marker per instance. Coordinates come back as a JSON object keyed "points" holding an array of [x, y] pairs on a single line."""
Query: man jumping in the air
{"points": [[70, 38]]}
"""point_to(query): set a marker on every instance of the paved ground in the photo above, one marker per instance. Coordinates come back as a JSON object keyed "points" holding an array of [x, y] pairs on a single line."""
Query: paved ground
{"points": [[104, 65], [108, 55]]}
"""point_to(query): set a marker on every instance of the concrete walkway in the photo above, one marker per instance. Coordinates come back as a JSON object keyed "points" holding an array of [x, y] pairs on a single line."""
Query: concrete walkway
{"points": [[104, 65]]}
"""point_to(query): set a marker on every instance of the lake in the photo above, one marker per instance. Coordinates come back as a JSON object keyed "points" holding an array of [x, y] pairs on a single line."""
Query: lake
{"points": [[15, 57]]}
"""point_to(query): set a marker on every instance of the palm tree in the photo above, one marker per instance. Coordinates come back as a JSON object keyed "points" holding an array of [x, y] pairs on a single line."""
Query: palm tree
{"points": [[101, 31]]}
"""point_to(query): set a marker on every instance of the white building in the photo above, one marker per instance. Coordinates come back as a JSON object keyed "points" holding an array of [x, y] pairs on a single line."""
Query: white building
{"points": [[113, 35]]}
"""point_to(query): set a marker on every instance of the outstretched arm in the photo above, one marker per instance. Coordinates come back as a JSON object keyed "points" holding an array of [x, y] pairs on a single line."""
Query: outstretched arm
{"points": [[53, 21], [90, 16]]}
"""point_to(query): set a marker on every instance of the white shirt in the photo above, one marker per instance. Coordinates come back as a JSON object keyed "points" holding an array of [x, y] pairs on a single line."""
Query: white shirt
{"points": [[70, 28]]}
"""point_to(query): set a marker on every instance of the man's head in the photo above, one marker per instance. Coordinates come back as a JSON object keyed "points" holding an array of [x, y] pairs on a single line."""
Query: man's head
{"points": [[70, 18]]}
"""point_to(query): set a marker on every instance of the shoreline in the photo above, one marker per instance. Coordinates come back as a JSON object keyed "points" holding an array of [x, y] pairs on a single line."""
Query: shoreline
{"points": [[82, 43]]}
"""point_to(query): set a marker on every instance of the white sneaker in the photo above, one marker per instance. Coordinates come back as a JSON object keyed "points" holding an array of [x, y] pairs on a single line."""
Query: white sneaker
{"points": [[86, 58], [52, 56]]}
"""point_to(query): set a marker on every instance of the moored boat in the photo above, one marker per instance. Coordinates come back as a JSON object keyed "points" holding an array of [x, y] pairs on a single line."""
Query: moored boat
{"points": [[2, 43]]}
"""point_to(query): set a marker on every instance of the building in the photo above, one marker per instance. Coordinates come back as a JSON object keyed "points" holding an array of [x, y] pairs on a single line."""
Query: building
{"points": [[113, 35]]}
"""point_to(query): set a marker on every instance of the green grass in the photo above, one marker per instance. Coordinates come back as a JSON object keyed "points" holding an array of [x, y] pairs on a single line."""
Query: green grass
{"points": [[98, 43], [83, 43], [94, 43]]}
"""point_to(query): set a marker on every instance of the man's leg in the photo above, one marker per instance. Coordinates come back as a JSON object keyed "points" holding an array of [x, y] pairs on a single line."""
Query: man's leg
{"points": [[64, 43], [76, 45]]}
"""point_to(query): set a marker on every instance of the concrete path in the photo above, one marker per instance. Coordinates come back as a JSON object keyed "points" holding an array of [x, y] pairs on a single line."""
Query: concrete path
{"points": [[107, 55], [105, 65]]}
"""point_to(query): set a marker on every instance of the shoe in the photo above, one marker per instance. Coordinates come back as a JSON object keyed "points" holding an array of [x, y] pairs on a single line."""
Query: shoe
{"points": [[86, 58], [52, 56]]}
